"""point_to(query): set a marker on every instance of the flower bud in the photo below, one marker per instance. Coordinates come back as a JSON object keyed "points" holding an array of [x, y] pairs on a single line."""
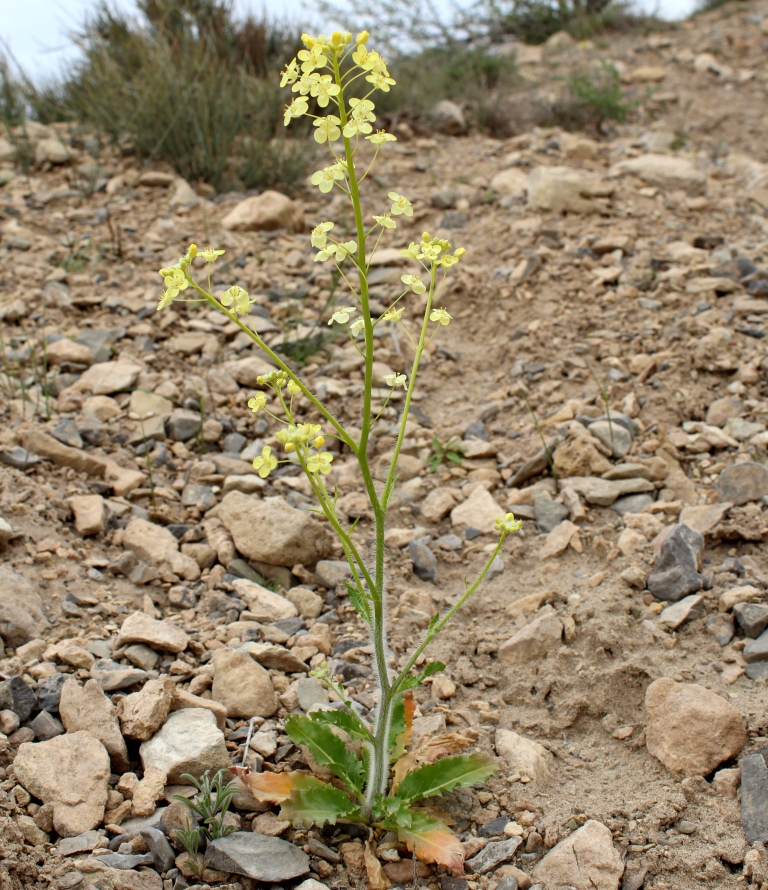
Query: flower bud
{"points": [[425, 237], [192, 253], [460, 251], [362, 37], [319, 442], [308, 40], [289, 446]]}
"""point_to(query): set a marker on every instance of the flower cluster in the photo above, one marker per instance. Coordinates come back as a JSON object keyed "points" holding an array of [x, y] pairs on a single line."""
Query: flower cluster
{"points": [[434, 251], [508, 525]]}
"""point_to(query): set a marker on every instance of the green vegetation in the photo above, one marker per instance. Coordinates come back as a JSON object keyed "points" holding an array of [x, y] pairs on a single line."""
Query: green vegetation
{"points": [[591, 100]]}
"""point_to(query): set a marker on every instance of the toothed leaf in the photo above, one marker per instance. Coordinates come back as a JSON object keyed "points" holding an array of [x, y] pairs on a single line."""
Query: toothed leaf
{"points": [[346, 720], [444, 775], [327, 749], [319, 805]]}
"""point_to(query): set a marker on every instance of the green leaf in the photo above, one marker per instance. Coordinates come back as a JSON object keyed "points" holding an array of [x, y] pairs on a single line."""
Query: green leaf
{"points": [[434, 667], [346, 720], [432, 841], [360, 603], [327, 749], [319, 805], [444, 775], [391, 813], [456, 458]]}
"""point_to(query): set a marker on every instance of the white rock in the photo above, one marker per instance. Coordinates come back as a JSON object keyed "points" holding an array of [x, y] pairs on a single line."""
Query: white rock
{"points": [[562, 189], [534, 641], [587, 860], [265, 212], [266, 605], [141, 628], [665, 172], [512, 181], [189, 742], [479, 511], [521, 755], [106, 378]]}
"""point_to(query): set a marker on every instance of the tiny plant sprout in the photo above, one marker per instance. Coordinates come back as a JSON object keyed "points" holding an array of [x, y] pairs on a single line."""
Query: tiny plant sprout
{"points": [[381, 775]]}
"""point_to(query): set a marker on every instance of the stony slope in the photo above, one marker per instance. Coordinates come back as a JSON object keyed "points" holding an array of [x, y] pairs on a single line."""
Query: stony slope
{"points": [[129, 604]]}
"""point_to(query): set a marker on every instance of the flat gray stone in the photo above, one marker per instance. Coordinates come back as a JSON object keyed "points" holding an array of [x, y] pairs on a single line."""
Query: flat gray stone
{"points": [[424, 560], [603, 492], [81, 843], [160, 849], [549, 514], [756, 650], [752, 618], [631, 503], [685, 610], [257, 856], [125, 862], [743, 483], [19, 458], [494, 854], [112, 676], [613, 435], [754, 797]]}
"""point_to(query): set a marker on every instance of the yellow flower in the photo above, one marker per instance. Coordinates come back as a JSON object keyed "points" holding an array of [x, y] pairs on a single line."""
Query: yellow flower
{"points": [[385, 221], [175, 278], [291, 74], [341, 251], [312, 58], [395, 380], [393, 314], [238, 296], [166, 298], [357, 327], [400, 204], [319, 235], [320, 463], [191, 253], [209, 254], [362, 58], [325, 178], [297, 108], [324, 89], [380, 137], [411, 252], [341, 315], [362, 37], [291, 436], [380, 81], [414, 283], [508, 525], [441, 316], [266, 463], [327, 128], [257, 402], [361, 113], [293, 388]]}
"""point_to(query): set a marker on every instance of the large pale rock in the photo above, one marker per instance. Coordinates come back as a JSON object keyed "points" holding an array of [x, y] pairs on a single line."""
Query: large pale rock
{"points": [[533, 641], [521, 755], [143, 713], [587, 860], [189, 742], [273, 532], [106, 378], [579, 457], [560, 539], [265, 213], [66, 350], [512, 181], [21, 610], [70, 772], [52, 151], [743, 483], [603, 492], [479, 511], [141, 628], [156, 546], [563, 189], [149, 404], [438, 504], [690, 729], [448, 118], [242, 685], [665, 172], [266, 605], [87, 708]]}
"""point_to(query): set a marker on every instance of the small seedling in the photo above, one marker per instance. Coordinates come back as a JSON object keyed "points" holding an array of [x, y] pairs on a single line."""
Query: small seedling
{"points": [[606, 404], [547, 450], [451, 451], [189, 838], [211, 803]]}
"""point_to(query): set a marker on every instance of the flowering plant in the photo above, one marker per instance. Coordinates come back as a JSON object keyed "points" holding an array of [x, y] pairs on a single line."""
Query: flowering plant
{"points": [[379, 785]]}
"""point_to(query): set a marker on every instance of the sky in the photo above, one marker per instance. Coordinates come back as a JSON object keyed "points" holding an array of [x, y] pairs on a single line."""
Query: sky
{"points": [[37, 30]]}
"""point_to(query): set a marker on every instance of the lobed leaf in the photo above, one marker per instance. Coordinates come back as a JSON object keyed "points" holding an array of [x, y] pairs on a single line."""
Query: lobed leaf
{"points": [[432, 841], [327, 749], [343, 719], [444, 775], [277, 787], [319, 804]]}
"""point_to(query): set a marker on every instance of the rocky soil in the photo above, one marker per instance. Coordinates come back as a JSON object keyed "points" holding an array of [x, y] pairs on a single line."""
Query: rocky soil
{"points": [[158, 599]]}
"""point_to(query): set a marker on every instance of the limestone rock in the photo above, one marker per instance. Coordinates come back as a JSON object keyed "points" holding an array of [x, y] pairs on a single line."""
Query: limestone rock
{"points": [[521, 755], [242, 685], [438, 504], [665, 172], [156, 546], [143, 713], [21, 610], [587, 860], [87, 708], [70, 772], [140, 628], [266, 605], [559, 539], [479, 511], [90, 511], [189, 742], [265, 213], [680, 613], [106, 378], [533, 641], [743, 483], [563, 189], [448, 118], [603, 492], [68, 351], [690, 729], [512, 181], [579, 457], [273, 532]]}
